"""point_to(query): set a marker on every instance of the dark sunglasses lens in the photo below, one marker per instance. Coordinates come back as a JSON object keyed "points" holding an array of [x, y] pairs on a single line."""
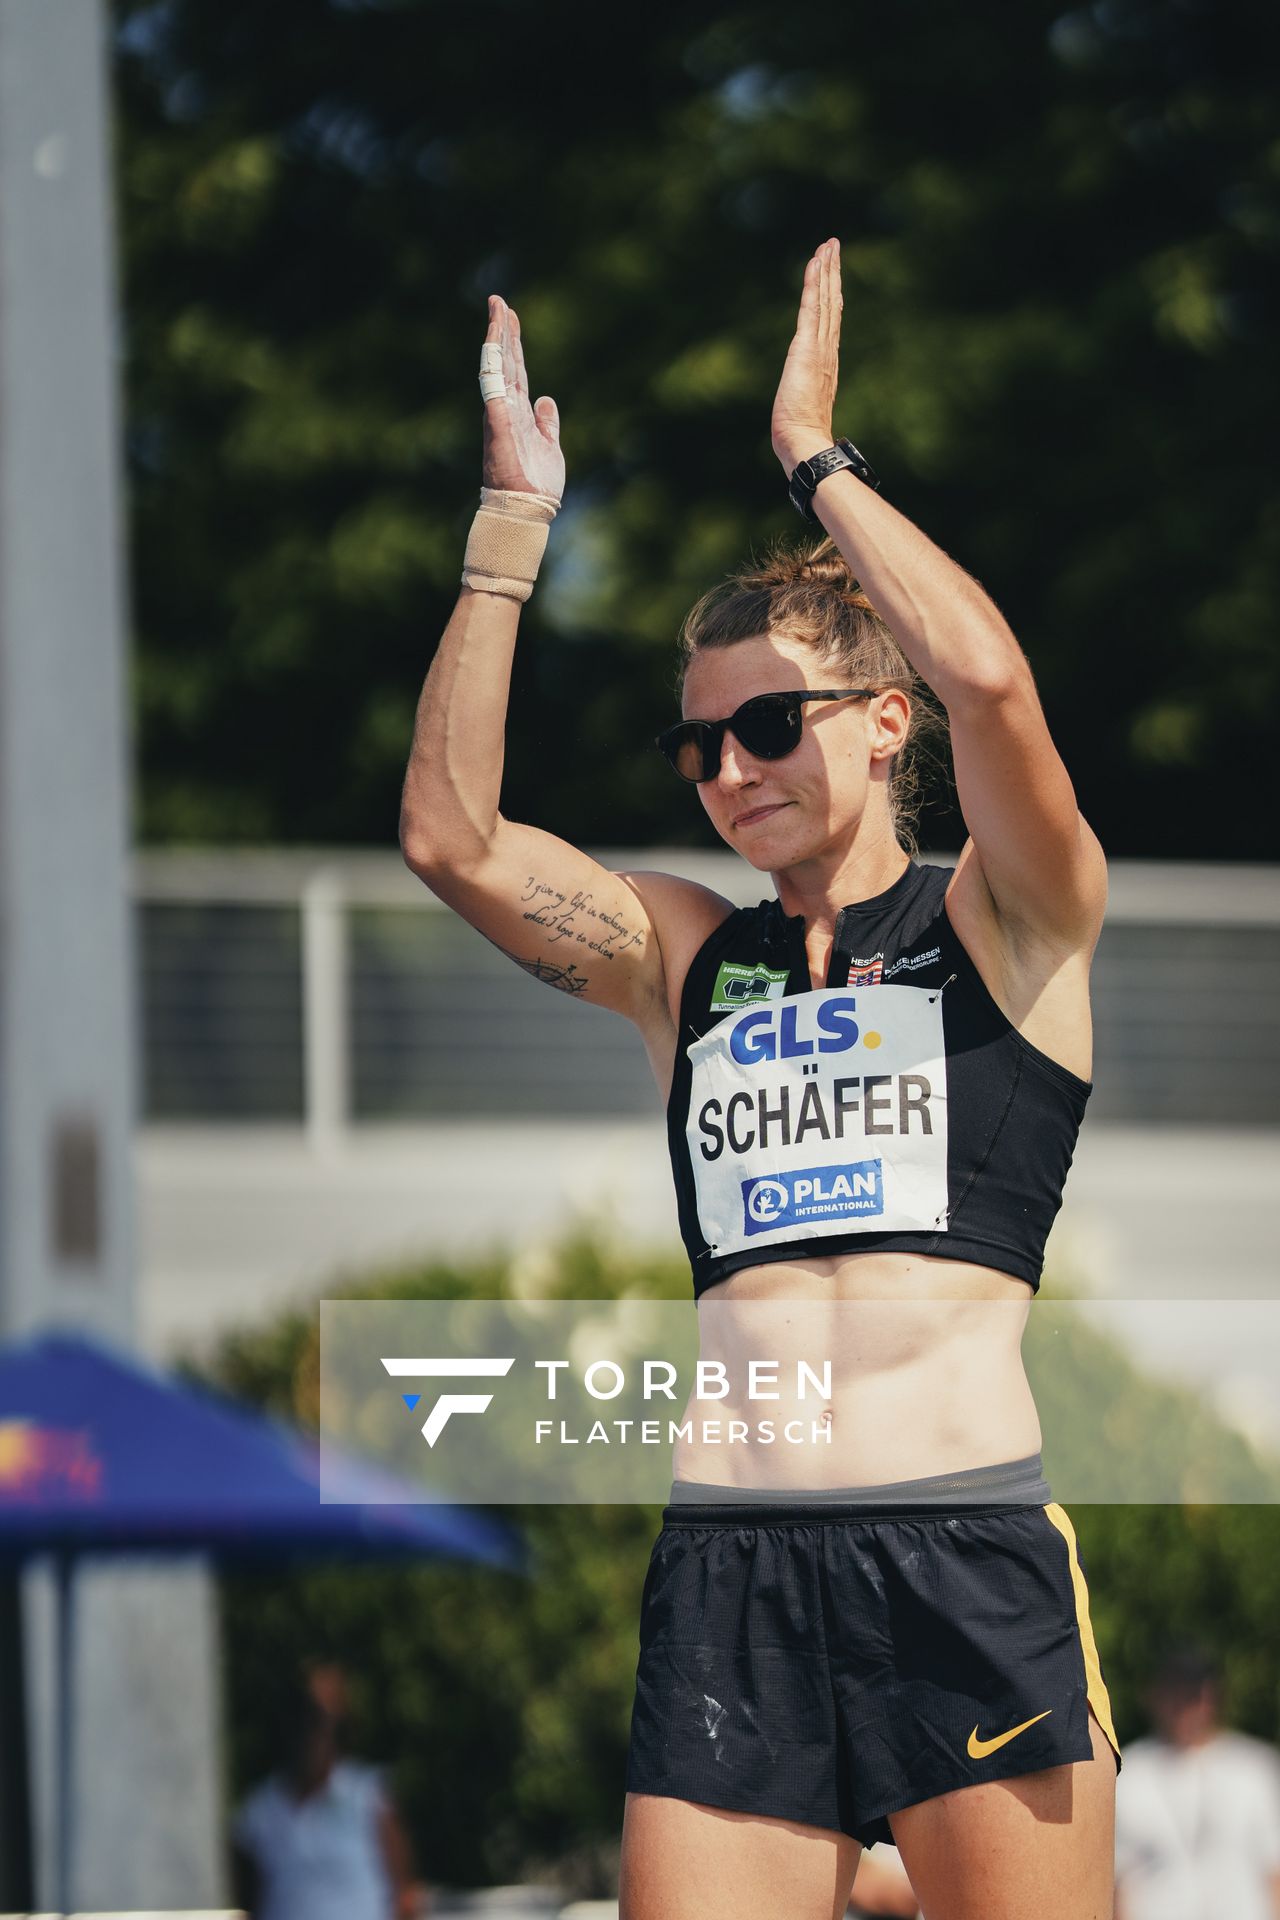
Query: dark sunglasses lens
{"points": [[684, 748], [769, 726]]}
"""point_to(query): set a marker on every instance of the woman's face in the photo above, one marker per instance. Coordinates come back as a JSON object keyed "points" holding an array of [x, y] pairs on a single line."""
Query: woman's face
{"points": [[777, 813]]}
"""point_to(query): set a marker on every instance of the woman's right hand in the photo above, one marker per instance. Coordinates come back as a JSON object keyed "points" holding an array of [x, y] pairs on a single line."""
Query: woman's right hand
{"points": [[521, 442]]}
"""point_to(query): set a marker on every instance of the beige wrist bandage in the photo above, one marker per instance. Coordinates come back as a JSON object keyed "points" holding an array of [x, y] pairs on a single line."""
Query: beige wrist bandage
{"points": [[507, 540]]}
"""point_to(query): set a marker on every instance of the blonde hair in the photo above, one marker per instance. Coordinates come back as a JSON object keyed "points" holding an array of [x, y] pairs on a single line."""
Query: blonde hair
{"points": [[809, 594]]}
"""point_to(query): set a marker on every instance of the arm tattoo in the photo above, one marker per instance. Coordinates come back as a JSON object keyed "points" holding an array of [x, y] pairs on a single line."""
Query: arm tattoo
{"points": [[576, 919], [566, 977]]}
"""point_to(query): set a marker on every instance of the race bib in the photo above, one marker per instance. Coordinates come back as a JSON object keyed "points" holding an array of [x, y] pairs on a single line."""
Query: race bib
{"points": [[821, 1114]]}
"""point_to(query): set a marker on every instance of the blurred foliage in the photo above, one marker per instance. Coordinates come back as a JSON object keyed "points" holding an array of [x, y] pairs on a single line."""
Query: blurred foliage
{"points": [[502, 1705], [1060, 234], [1103, 1424]]}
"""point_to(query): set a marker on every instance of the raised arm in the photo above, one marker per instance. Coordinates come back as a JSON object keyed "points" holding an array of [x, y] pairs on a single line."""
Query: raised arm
{"points": [[1040, 860], [552, 909]]}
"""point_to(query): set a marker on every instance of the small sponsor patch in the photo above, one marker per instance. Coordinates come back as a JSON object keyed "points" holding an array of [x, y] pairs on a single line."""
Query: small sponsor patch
{"points": [[812, 1194], [908, 962], [738, 986]]}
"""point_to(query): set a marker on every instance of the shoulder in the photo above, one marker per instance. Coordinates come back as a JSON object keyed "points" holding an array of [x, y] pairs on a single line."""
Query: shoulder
{"points": [[359, 1784], [1039, 982], [978, 917], [1245, 1753], [1017, 943], [677, 905], [684, 914], [1141, 1754], [256, 1813], [1144, 1778]]}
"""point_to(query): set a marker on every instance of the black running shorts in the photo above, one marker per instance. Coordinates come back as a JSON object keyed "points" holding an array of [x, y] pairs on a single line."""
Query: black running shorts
{"points": [[834, 1663]]}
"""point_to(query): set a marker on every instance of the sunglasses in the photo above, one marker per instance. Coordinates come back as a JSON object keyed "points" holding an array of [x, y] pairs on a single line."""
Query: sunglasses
{"points": [[769, 726]]}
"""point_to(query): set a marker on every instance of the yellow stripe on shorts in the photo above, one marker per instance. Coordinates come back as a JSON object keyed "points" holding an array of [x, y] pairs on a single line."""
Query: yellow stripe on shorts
{"points": [[1096, 1686]]}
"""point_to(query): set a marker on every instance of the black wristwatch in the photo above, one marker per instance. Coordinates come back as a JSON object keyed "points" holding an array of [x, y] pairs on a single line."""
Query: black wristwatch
{"points": [[804, 481]]}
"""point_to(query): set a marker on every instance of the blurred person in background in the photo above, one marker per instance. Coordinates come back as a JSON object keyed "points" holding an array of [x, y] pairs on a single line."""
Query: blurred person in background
{"points": [[321, 1839], [919, 1667], [1197, 1806]]}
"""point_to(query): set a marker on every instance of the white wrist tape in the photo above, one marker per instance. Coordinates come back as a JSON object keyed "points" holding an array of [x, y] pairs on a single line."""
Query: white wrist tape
{"points": [[507, 540], [493, 385]]}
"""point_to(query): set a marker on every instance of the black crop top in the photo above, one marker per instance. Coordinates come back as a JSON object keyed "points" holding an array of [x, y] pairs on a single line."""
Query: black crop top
{"points": [[895, 1108]]}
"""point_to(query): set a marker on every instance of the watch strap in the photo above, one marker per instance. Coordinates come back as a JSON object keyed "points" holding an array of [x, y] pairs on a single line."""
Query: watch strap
{"points": [[805, 480]]}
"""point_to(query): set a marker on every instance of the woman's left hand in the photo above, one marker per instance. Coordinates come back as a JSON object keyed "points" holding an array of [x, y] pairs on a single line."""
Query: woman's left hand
{"points": [[804, 404]]}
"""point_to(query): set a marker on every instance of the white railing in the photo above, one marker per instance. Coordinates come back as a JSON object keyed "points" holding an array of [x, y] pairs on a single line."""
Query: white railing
{"points": [[1167, 1006]]}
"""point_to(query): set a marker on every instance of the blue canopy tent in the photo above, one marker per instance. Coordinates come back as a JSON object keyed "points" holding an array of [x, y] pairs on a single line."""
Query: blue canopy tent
{"points": [[100, 1453]]}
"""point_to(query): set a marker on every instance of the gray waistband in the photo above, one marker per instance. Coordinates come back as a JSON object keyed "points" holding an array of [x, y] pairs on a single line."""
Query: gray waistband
{"points": [[1019, 1482]]}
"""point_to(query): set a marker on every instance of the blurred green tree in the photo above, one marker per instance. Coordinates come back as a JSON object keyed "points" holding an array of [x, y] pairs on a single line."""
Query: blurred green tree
{"points": [[1061, 232]]}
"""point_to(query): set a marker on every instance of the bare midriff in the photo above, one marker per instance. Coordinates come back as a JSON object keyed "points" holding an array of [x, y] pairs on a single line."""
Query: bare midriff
{"points": [[926, 1373]]}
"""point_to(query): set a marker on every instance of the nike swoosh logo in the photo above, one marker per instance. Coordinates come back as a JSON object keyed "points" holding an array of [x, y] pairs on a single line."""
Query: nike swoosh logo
{"points": [[979, 1749]]}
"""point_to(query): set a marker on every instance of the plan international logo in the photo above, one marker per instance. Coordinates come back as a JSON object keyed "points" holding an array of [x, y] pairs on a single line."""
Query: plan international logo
{"points": [[812, 1193]]}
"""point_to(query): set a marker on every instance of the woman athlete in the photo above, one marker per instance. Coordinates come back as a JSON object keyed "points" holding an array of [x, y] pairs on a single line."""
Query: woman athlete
{"points": [[874, 1085]]}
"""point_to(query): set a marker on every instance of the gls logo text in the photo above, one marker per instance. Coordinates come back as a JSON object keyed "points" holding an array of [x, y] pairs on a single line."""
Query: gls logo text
{"points": [[430, 1368], [772, 1034]]}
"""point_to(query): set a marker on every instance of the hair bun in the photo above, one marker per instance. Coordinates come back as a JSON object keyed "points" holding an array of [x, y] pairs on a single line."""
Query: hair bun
{"points": [[823, 565]]}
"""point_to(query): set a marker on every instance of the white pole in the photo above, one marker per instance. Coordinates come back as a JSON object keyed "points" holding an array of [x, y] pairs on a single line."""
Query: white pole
{"points": [[68, 1254], [64, 1858], [324, 1002]]}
